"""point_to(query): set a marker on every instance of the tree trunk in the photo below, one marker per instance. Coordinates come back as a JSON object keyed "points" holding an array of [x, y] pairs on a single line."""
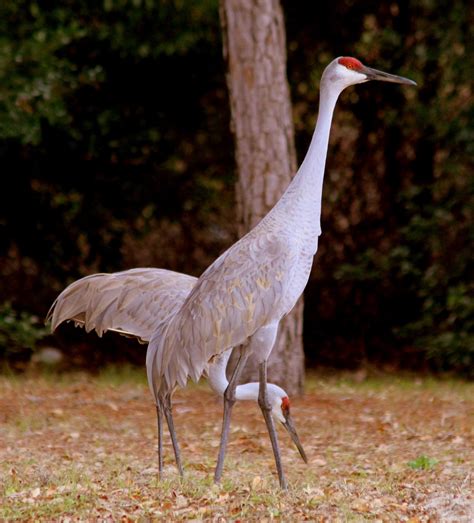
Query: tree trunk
{"points": [[255, 51]]}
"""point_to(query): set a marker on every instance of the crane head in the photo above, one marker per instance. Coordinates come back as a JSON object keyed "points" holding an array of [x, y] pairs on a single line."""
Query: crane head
{"points": [[346, 70], [281, 411]]}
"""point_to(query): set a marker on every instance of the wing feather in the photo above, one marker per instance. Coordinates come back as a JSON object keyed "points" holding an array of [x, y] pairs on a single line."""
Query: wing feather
{"points": [[133, 302], [239, 293]]}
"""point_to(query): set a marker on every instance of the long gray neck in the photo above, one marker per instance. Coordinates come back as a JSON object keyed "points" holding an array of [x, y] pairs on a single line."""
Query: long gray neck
{"points": [[305, 190]]}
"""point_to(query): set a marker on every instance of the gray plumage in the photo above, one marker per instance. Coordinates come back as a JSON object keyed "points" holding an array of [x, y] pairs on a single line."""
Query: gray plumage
{"points": [[133, 303], [130, 302], [240, 299], [241, 291]]}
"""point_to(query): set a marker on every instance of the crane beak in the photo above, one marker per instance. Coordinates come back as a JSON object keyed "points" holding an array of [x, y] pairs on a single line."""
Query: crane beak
{"points": [[374, 74], [289, 426]]}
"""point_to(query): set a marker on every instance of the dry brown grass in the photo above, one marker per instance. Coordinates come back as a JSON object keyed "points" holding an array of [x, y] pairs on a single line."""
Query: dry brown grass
{"points": [[76, 447]]}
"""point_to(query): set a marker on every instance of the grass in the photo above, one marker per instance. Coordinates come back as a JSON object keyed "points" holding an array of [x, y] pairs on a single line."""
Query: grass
{"points": [[385, 448], [422, 463]]}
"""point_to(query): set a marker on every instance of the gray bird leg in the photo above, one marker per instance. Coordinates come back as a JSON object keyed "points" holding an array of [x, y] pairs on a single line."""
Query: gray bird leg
{"points": [[160, 440], [174, 439], [229, 400], [267, 414]]}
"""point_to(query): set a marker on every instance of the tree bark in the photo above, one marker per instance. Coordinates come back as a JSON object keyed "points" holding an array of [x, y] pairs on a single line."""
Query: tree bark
{"points": [[255, 51]]}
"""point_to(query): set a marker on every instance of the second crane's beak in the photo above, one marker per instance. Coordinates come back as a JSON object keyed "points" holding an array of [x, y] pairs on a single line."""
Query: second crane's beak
{"points": [[289, 426], [374, 74]]}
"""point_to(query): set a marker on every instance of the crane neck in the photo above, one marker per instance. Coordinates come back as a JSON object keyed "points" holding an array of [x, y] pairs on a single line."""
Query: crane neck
{"points": [[308, 182], [315, 158], [219, 382]]}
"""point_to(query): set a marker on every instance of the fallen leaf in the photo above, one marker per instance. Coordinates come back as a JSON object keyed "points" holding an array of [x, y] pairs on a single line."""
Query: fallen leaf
{"points": [[360, 505], [314, 492], [256, 482], [181, 501]]}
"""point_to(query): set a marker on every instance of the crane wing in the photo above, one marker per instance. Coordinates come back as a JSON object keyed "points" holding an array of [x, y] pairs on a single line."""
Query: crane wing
{"points": [[239, 293], [130, 302]]}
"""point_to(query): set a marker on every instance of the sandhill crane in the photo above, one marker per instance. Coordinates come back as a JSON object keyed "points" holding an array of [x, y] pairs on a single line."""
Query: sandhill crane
{"points": [[241, 298], [132, 303], [245, 293]]}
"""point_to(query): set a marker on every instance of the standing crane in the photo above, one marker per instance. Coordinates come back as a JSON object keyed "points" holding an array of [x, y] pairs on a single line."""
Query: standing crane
{"points": [[243, 295], [132, 303], [241, 298]]}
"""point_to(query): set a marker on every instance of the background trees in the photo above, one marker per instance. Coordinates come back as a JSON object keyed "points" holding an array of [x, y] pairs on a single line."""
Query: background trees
{"points": [[116, 152], [262, 123]]}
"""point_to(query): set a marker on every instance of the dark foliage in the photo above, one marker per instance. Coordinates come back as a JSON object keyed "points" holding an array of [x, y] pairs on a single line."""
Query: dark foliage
{"points": [[116, 153]]}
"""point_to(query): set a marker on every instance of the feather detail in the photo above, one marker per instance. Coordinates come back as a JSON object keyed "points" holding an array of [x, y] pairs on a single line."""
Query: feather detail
{"points": [[131, 302]]}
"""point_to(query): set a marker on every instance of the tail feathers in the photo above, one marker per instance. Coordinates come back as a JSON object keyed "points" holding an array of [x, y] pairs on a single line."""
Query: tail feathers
{"points": [[165, 370], [174, 365], [95, 316], [154, 361], [131, 302], [72, 304]]}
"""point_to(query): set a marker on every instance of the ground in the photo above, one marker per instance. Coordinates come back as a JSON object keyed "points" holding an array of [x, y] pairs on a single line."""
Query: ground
{"points": [[75, 447]]}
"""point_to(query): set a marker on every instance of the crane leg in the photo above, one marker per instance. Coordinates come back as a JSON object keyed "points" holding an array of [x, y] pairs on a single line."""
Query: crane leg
{"points": [[229, 400], [160, 439], [267, 414], [174, 439]]}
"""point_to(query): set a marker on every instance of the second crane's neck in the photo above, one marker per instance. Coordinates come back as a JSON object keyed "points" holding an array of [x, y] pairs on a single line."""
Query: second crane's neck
{"points": [[247, 391], [307, 184], [219, 382]]}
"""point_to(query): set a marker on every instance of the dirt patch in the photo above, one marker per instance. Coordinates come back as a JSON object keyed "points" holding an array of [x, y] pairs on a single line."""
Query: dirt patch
{"points": [[81, 448]]}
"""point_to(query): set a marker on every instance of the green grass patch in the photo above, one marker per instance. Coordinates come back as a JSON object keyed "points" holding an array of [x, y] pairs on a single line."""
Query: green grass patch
{"points": [[423, 463]]}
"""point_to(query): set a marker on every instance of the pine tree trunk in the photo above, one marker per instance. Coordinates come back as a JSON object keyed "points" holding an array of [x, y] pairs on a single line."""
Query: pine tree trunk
{"points": [[255, 51]]}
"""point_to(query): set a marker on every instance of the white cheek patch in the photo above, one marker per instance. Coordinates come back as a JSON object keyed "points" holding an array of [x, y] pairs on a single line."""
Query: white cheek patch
{"points": [[335, 77]]}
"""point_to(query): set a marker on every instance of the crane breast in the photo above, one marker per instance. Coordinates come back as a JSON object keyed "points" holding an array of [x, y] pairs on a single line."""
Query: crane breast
{"points": [[240, 292]]}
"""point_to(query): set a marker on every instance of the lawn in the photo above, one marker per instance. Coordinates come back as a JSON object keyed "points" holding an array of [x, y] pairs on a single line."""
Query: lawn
{"points": [[76, 447]]}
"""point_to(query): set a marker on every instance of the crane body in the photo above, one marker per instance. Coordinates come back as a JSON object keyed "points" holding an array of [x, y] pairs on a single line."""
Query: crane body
{"points": [[131, 303], [244, 294], [240, 299]]}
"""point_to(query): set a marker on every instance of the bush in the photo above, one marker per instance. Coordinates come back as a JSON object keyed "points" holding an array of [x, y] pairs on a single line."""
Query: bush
{"points": [[20, 333]]}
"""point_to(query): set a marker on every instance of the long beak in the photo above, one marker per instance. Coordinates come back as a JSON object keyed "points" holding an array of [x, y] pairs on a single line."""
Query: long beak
{"points": [[288, 424], [374, 74]]}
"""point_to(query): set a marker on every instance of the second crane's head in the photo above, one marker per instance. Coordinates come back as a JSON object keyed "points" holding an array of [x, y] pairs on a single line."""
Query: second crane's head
{"points": [[346, 70], [281, 412]]}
